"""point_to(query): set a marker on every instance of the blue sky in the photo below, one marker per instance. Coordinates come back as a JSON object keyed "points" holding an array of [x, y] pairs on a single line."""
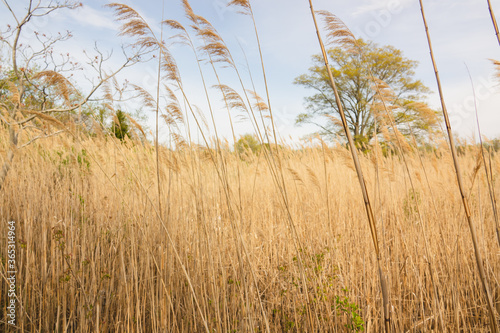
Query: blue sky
{"points": [[461, 32]]}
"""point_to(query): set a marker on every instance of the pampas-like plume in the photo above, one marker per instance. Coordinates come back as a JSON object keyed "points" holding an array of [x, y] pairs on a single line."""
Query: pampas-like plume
{"points": [[424, 112], [175, 112], [58, 82], [337, 32], [169, 67], [244, 6], [173, 116], [47, 118], [15, 96], [385, 102], [234, 100], [136, 125], [295, 175], [135, 26], [217, 50], [108, 93], [189, 11], [496, 63], [147, 99], [214, 46], [181, 38], [259, 103], [201, 116]]}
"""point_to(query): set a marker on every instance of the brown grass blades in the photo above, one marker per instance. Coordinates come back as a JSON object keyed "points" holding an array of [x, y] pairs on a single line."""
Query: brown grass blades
{"points": [[272, 157], [389, 101], [244, 244], [465, 202], [136, 27], [106, 215], [352, 147], [215, 47]]}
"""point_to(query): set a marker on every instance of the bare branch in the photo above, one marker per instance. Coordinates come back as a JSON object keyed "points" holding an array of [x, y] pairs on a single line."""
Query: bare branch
{"points": [[40, 137]]}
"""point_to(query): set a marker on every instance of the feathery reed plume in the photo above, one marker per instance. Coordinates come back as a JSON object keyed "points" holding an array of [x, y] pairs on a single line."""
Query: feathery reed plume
{"points": [[352, 147], [244, 6], [133, 25], [477, 249], [259, 103], [47, 118], [496, 64], [136, 125], [214, 45], [188, 10], [147, 99], [59, 83], [338, 33], [14, 96], [234, 100], [383, 106]]}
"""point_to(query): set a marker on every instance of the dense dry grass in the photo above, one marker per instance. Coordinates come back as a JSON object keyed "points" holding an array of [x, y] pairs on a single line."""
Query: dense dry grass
{"points": [[93, 255]]}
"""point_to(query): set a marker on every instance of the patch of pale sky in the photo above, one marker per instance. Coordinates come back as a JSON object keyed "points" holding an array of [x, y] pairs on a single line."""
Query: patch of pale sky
{"points": [[371, 6], [88, 16]]}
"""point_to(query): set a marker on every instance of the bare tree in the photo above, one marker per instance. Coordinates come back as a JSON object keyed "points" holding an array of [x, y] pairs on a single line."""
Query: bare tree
{"points": [[37, 96]]}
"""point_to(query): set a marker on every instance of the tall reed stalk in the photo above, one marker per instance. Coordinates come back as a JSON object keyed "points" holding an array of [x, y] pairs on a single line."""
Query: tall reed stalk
{"points": [[157, 115], [359, 172], [494, 20], [489, 177], [477, 249]]}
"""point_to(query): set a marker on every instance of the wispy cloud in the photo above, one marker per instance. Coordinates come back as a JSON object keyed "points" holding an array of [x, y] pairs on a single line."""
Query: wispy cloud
{"points": [[88, 16], [377, 5]]}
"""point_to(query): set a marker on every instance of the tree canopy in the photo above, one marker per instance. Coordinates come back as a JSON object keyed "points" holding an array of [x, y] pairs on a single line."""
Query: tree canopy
{"points": [[247, 142], [120, 126], [363, 79]]}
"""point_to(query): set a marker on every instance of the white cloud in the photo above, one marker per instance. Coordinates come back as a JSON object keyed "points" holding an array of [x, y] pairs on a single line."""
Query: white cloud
{"points": [[377, 5], [89, 16]]}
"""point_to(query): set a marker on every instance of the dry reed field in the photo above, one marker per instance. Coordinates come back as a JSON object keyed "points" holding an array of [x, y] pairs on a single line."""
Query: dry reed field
{"points": [[93, 255], [124, 233]]}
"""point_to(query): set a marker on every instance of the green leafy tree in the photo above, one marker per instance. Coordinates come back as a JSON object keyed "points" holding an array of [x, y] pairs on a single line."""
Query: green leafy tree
{"points": [[247, 142], [120, 126], [353, 73], [38, 98], [495, 143], [37, 94]]}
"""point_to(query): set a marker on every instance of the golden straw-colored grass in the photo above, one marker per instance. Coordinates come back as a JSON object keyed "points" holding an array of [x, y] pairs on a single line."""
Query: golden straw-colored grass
{"points": [[93, 256]]}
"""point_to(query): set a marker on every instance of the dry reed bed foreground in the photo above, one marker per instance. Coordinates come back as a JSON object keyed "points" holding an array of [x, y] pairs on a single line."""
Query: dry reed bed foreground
{"points": [[93, 255]]}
